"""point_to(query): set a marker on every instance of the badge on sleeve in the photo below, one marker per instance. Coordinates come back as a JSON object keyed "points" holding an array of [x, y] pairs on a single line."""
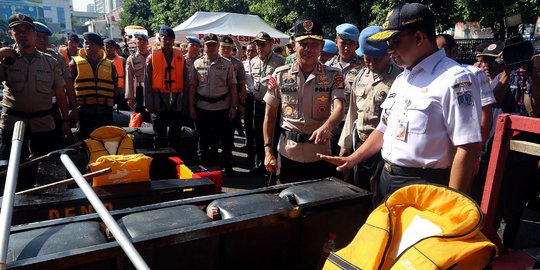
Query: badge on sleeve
{"points": [[272, 85], [463, 93], [339, 81]]}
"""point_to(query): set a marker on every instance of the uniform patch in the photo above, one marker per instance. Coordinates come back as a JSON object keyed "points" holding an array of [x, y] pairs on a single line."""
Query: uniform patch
{"points": [[322, 109], [323, 80], [288, 111], [294, 67], [465, 98], [319, 67], [339, 81], [322, 98], [308, 25], [272, 84], [289, 80]]}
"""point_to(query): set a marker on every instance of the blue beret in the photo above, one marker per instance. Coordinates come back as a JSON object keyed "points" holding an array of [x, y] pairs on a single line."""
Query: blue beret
{"points": [[373, 49], [166, 31], [42, 28], [192, 39], [140, 34], [74, 37], [359, 52], [109, 41], [94, 37], [329, 46], [347, 31]]}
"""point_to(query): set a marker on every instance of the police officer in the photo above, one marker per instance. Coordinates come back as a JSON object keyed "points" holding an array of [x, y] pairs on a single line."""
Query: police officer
{"points": [[328, 51], [251, 52], [94, 80], [72, 47], [430, 124], [226, 45], [349, 64], [135, 66], [214, 102], [193, 53], [30, 78], [262, 66], [42, 44], [305, 92], [166, 77], [369, 91], [119, 62]]}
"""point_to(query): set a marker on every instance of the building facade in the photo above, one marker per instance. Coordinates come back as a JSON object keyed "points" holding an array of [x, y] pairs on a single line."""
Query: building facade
{"points": [[55, 13], [106, 6]]}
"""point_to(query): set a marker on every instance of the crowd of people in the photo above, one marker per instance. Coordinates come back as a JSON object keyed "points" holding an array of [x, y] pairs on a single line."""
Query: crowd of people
{"points": [[381, 108]]}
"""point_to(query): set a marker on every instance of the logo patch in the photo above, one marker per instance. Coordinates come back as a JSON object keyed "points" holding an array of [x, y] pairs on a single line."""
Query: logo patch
{"points": [[272, 84], [339, 81], [323, 80], [288, 111], [322, 98], [308, 25]]}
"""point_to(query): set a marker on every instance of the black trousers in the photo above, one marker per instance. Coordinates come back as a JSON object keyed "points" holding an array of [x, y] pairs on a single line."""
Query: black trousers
{"points": [[294, 171], [92, 118], [35, 144], [392, 181], [214, 128], [163, 120], [248, 122]]}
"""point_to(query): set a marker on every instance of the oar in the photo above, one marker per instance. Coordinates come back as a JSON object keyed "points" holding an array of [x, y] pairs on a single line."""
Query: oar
{"points": [[87, 177]]}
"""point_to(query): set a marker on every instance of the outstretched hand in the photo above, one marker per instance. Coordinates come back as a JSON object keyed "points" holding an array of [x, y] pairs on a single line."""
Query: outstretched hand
{"points": [[342, 163]]}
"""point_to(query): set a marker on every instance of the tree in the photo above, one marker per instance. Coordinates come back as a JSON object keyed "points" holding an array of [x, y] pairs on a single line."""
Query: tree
{"points": [[136, 12]]}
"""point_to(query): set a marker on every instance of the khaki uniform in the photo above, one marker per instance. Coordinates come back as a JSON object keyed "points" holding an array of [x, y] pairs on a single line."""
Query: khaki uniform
{"points": [[65, 73], [28, 89], [368, 93], [134, 73], [212, 80], [260, 70], [305, 104], [349, 72]]}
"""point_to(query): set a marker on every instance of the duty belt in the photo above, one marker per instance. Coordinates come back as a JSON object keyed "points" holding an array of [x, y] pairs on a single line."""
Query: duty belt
{"points": [[419, 172], [212, 99], [28, 115], [296, 136]]}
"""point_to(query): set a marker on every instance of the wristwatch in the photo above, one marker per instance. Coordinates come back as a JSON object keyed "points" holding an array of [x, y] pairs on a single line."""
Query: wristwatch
{"points": [[235, 107]]}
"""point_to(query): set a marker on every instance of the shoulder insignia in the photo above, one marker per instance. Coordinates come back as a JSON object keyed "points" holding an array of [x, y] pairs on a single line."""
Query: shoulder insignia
{"points": [[461, 84], [282, 68], [339, 81]]}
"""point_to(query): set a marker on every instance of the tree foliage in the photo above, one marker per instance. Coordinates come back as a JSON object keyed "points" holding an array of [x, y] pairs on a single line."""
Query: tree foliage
{"points": [[282, 14]]}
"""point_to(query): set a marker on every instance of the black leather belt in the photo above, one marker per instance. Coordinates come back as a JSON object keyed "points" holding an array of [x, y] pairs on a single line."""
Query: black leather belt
{"points": [[212, 99], [28, 115], [296, 136], [420, 172]]}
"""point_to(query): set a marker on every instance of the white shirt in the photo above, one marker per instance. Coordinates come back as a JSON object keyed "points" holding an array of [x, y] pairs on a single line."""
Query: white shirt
{"points": [[430, 110], [486, 90], [249, 78]]}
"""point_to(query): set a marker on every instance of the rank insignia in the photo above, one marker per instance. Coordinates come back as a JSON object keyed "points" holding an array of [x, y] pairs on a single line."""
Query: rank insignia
{"points": [[323, 80], [461, 85], [308, 25], [339, 81], [322, 98], [294, 67], [319, 67]]}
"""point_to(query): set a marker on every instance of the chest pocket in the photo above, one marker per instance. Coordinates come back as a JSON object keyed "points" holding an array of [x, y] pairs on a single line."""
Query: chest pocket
{"points": [[202, 73], [44, 83], [386, 109], [320, 109], [418, 115], [219, 75], [16, 78]]}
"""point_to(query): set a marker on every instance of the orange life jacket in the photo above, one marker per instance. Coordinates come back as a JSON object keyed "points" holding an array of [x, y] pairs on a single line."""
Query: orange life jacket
{"points": [[162, 74], [64, 52], [118, 63]]}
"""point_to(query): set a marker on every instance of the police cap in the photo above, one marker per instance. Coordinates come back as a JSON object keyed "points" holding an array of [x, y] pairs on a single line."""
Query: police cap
{"points": [[109, 41], [192, 39], [166, 31], [19, 18], [406, 16], [308, 28], [329, 46], [209, 38], [226, 40]]}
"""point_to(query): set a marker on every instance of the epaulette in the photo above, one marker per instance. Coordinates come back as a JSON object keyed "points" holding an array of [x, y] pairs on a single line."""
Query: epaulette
{"points": [[283, 68], [332, 69]]}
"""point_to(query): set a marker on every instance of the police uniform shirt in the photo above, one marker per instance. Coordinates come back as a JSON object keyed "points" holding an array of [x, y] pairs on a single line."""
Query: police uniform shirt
{"points": [[429, 110], [480, 78], [162, 101], [189, 66], [29, 88], [349, 70], [212, 79], [134, 73], [239, 71], [249, 78], [368, 93], [305, 105], [261, 70], [65, 73]]}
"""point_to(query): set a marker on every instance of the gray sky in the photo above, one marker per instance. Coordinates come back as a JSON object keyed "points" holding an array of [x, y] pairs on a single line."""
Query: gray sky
{"points": [[80, 5]]}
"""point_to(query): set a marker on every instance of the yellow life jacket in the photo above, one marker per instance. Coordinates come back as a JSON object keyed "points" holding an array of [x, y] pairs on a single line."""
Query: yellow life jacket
{"points": [[124, 169], [90, 88], [118, 62], [419, 227], [108, 140], [163, 74]]}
